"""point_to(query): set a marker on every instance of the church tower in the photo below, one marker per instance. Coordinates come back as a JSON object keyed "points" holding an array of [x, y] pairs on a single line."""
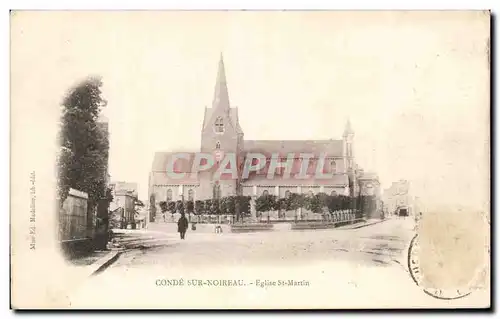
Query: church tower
{"points": [[348, 139], [221, 134]]}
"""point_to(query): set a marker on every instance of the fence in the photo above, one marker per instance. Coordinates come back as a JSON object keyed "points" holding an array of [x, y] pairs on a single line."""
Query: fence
{"points": [[73, 221]]}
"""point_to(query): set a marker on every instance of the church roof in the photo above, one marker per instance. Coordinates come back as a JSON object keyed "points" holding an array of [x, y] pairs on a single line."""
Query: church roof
{"points": [[336, 180], [161, 161], [160, 169], [330, 147]]}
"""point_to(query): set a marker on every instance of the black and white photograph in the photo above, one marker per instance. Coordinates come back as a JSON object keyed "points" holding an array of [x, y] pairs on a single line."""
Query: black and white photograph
{"points": [[250, 159]]}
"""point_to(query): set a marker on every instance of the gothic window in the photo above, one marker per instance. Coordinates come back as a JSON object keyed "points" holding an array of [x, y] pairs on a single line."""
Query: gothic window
{"points": [[219, 125], [217, 145], [333, 167], [169, 195], [190, 194], [333, 193], [287, 194], [265, 193]]}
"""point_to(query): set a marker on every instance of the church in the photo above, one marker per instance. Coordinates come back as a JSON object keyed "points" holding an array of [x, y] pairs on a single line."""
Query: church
{"points": [[221, 133]]}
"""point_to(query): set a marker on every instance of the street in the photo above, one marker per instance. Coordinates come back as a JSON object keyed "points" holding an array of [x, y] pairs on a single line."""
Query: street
{"points": [[364, 267], [378, 245]]}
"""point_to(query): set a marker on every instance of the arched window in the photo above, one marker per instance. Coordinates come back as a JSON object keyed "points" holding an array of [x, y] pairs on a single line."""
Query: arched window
{"points": [[333, 167], [311, 193], [169, 195], [287, 194], [190, 194], [219, 125], [333, 193], [217, 145], [265, 193]]}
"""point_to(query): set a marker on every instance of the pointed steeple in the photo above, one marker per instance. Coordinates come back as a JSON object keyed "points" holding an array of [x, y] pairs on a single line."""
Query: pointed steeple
{"points": [[221, 95], [348, 128]]}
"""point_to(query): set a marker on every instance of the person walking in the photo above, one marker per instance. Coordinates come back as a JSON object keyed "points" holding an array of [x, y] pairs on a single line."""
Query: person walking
{"points": [[182, 225]]}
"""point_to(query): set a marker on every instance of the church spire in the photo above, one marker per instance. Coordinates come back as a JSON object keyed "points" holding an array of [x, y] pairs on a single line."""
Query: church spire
{"points": [[221, 95], [348, 129]]}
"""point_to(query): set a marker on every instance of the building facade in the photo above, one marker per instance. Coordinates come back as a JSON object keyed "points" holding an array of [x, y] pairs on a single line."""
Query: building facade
{"points": [[124, 199], [221, 134], [398, 196]]}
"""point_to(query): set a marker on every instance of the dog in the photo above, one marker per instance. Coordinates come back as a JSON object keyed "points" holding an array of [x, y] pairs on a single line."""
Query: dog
{"points": [[218, 229]]}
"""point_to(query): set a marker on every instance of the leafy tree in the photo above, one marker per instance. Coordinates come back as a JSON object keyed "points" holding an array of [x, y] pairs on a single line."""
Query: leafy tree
{"points": [[199, 207], [245, 207], [288, 202], [316, 204], [152, 207], [84, 144], [216, 207], [228, 205], [266, 203], [261, 204], [346, 202], [282, 206], [171, 207], [163, 207], [334, 203], [208, 206], [307, 202], [323, 199], [179, 207], [296, 201]]}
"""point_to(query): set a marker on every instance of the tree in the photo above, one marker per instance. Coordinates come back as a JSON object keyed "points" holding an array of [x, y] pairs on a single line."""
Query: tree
{"points": [[208, 206], [84, 145], [282, 206], [334, 203], [245, 207], [288, 202], [152, 207], [199, 207], [189, 208], [216, 207], [179, 207], [266, 203], [228, 205], [317, 202], [171, 207], [296, 202], [163, 208]]}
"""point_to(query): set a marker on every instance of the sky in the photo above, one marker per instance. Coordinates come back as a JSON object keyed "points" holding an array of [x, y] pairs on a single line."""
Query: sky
{"points": [[415, 86]]}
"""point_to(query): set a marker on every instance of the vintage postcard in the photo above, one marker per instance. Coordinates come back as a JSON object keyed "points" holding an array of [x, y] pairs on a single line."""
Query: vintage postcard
{"points": [[250, 160]]}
